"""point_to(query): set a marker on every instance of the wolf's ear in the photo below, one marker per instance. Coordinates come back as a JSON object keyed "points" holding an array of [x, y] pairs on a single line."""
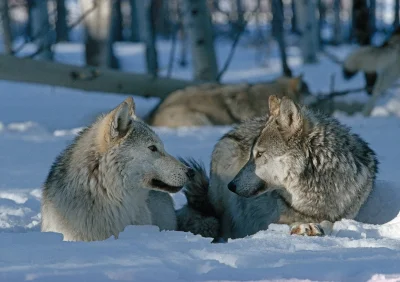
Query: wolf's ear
{"points": [[290, 118], [273, 104], [121, 118]]}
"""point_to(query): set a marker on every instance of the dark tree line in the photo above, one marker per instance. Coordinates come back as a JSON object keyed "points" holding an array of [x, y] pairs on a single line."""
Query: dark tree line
{"points": [[194, 24]]}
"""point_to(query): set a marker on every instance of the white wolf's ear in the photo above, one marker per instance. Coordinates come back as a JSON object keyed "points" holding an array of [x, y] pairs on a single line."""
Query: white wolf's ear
{"points": [[274, 104], [121, 118], [290, 119]]}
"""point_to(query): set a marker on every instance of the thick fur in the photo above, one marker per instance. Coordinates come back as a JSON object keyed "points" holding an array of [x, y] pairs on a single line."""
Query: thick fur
{"points": [[198, 207], [294, 167], [376, 62], [116, 173], [215, 104]]}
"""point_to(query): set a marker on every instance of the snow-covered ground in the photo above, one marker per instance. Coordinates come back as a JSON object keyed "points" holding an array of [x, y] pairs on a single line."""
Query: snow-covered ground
{"points": [[37, 122]]}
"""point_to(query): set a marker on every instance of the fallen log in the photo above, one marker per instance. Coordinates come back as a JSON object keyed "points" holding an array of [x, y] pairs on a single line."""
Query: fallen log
{"points": [[87, 78]]}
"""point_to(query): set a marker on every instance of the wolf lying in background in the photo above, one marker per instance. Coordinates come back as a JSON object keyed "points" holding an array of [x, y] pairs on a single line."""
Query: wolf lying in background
{"points": [[293, 167], [116, 173], [215, 104], [381, 64]]}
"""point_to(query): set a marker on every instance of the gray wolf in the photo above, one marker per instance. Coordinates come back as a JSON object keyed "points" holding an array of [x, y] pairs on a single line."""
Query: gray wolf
{"points": [[293, 166], [115, 173], [377, 62], [215, 104]]}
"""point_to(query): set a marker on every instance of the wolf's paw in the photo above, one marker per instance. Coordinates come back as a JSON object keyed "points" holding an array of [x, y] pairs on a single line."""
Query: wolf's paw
{"points": [[210, 227], [308, 229]]}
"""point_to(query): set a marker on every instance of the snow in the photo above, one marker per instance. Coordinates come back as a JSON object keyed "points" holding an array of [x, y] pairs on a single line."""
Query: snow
{"points": [[37, 122]]}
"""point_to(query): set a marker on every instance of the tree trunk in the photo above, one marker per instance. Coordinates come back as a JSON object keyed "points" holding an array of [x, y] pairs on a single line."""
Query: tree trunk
{"points": [[321, 19], [308, 28], [148, 34], [87, 79], [361, 26], [372, 15], [135, 34], [396, 21], [294, 17], [337, 36], [183, 61], [161, 17], [98, 28], [40, 29], [117, 26], [279, 33], [199, 27], [6, 27], [239, 16], [61, 23]]}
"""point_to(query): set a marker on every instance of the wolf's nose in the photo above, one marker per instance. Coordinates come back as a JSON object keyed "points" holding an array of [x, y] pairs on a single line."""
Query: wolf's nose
{"points": [[190, 173], [232, 187]]}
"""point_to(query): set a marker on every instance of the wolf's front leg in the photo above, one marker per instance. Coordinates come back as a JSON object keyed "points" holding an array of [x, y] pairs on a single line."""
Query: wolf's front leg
{"points": [[311, 229]]}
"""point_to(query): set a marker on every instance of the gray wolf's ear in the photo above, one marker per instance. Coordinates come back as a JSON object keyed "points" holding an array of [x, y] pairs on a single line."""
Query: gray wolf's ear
{"points": [[290, 118], [121, 118], [273, 104]]}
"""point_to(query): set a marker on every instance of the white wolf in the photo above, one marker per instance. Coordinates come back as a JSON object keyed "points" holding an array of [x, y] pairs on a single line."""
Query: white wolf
{"points": [[116, 173]]}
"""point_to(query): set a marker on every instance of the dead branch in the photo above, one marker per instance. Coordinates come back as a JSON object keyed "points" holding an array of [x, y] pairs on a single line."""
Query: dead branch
{"points": [[333, 94], [87, 78], [234, 44]]}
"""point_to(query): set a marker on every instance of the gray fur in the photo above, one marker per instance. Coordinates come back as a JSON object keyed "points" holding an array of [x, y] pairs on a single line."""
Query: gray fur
{"points": [[294, 167], [215, 104], [110, 177], [199, 207]]}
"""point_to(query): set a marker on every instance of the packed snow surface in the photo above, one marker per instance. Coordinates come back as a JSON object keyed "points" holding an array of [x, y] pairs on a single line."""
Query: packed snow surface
{"points": [[37, 122]]}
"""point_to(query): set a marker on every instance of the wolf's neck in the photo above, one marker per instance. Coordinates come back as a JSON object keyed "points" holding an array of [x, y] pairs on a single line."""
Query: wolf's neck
{"points": [[96, 173]]}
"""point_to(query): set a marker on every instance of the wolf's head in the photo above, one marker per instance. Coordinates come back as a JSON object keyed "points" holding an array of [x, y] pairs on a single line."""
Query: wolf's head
{"points": [[130, 144], [276, 153]]}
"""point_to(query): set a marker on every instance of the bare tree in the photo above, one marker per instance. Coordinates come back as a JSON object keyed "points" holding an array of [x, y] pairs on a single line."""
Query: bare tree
{"points": [[361, 29], [199, 27], [183, 61], [117, 26], [135, 34], [6, 27], [308, 27], [161, 16], [372, 15], [278, 33], [239, 15], [40, 29], [396, 21], [321, 19], [61, 22], [337, 29], [294, 18], [98, 28], [148, 33]]}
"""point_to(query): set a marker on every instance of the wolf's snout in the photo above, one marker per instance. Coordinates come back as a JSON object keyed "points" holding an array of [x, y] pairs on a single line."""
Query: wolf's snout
{"points": [[232, 187], [190, 173]]}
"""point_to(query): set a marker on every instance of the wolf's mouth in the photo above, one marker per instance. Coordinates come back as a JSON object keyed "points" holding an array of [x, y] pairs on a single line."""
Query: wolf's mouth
{"points": [[158, 184]]}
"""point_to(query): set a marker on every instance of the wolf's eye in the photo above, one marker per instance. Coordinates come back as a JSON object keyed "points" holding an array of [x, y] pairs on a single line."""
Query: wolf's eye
{"points": [[153, 148], [258, 155]]}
